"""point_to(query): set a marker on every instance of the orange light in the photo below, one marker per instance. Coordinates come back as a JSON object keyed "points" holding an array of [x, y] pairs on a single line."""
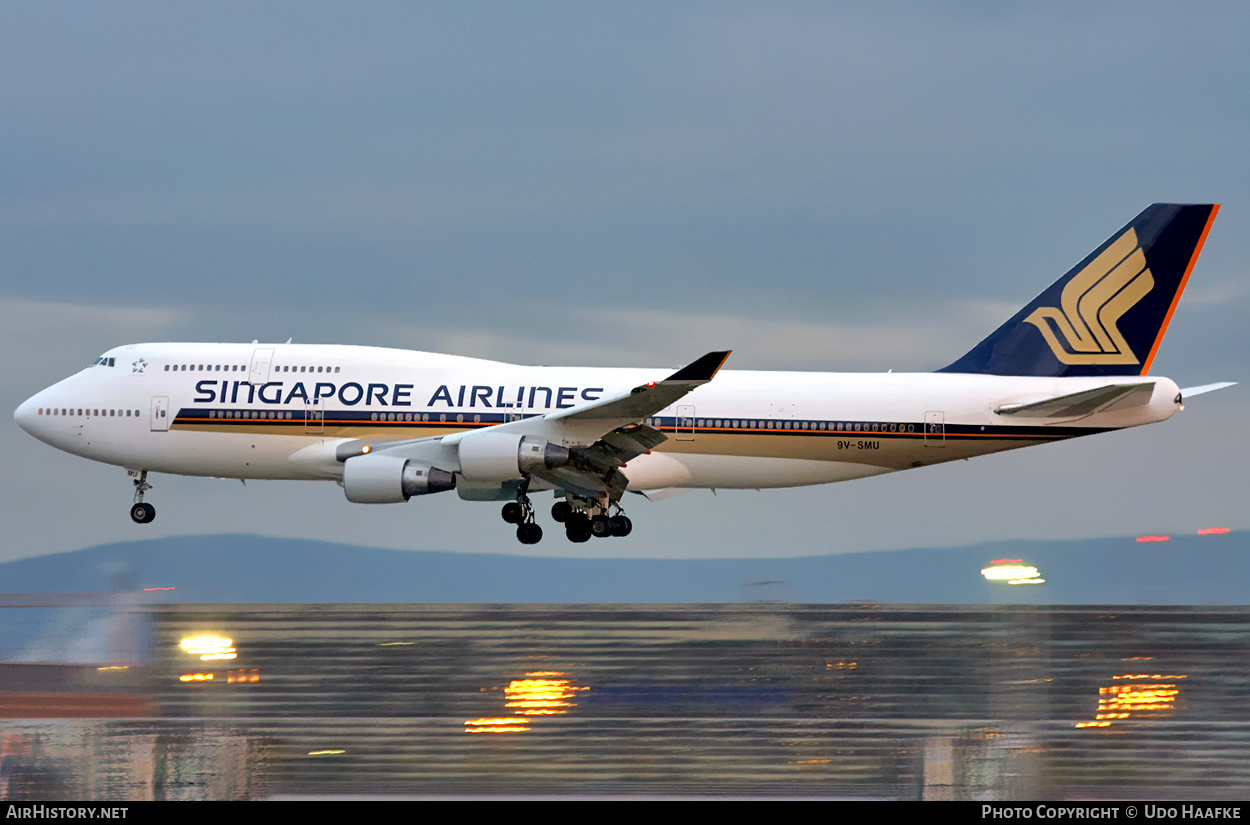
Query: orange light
{"points": [[540, 697], [149, 589], [1214, 531], [1141, 700], [505, 725], [1154, 538]]}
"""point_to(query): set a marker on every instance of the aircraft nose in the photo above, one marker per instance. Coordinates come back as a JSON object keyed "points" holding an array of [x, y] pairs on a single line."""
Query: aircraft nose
{"points": [[26, 415]]}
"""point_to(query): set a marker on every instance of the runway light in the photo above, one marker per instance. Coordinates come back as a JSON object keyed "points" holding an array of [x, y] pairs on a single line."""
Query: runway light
{"points": [[541, 696], [1154, 538], [507, 725], [1214, 531], [1150, 700], [209, 647], [324, 753], [1008, 572]]}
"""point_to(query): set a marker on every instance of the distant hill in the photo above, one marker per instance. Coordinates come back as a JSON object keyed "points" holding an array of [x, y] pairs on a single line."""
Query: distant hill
{"points": [[247, 568]]}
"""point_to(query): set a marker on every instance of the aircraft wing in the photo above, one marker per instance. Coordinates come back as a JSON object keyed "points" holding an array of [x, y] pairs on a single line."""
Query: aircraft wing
{"points": [[1082, 403], [595, 469], [613, 423]]}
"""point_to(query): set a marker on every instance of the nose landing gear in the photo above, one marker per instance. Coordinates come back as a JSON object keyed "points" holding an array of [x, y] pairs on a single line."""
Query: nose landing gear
{"points": [[142, 513]]}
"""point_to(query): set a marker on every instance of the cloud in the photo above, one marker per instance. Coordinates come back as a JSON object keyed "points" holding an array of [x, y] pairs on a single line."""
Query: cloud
{"points": [[70, 335], [1210, 295], [669, 338]]}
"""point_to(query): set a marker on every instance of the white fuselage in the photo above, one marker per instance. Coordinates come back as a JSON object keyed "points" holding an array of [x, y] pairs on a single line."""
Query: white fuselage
{"points": [[280, 411]]}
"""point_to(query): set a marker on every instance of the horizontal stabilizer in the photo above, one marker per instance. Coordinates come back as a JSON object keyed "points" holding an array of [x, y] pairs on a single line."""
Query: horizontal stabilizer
{"points": [[1190, 392], [1082, 403]]}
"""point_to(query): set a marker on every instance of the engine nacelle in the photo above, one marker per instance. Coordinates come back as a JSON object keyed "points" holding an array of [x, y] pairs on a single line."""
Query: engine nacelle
{"points": [[495, 456], [385, 479]]}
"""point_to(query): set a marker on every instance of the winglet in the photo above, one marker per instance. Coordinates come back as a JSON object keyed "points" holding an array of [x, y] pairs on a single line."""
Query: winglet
{"points": [[702, 370], [649, 398]]}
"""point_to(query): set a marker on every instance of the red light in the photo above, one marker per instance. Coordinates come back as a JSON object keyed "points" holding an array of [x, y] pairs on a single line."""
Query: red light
{"points": [[1154, 538], [147, 589], [1007, 561], [1214, 531]]}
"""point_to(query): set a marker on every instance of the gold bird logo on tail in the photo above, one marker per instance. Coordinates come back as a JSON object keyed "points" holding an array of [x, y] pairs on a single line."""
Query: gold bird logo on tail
{"points": [[1093, 302]]}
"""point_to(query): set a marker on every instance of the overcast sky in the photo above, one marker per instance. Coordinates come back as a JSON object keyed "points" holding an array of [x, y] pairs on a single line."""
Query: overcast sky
{"points": [[865, 187]]}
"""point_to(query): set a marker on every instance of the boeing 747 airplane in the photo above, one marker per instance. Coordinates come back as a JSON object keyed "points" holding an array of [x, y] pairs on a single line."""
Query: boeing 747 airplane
{"points": [[390, 424]]}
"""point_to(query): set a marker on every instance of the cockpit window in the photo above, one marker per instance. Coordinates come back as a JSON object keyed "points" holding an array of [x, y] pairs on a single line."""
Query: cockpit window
{"points": [[104, 362]]}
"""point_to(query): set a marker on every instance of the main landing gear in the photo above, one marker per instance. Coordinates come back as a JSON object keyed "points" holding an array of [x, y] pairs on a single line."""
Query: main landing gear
{"points": [[581, 524], [582, 521], [142, 513], [521, 513]]}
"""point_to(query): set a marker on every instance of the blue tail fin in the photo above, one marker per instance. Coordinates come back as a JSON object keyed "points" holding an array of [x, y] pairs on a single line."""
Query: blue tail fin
{"points": [[1107, 315]]}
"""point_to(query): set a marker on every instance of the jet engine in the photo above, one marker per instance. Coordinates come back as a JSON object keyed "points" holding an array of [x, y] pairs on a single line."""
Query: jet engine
{"points": [[384, 479], [495, 456]]}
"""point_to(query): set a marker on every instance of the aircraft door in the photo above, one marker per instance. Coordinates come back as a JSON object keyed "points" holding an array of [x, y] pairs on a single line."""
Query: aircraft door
{"points": [[258, 375], [160, 413], [935, 429], [314, 416], [685, 422]]}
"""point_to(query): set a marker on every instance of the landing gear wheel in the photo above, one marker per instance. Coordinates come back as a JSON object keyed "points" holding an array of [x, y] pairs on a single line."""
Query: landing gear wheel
{"points": [[142, 513], [621, 525], [529, 533], [561, 510], [601, 526], [577, 528], [513, 512]]}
